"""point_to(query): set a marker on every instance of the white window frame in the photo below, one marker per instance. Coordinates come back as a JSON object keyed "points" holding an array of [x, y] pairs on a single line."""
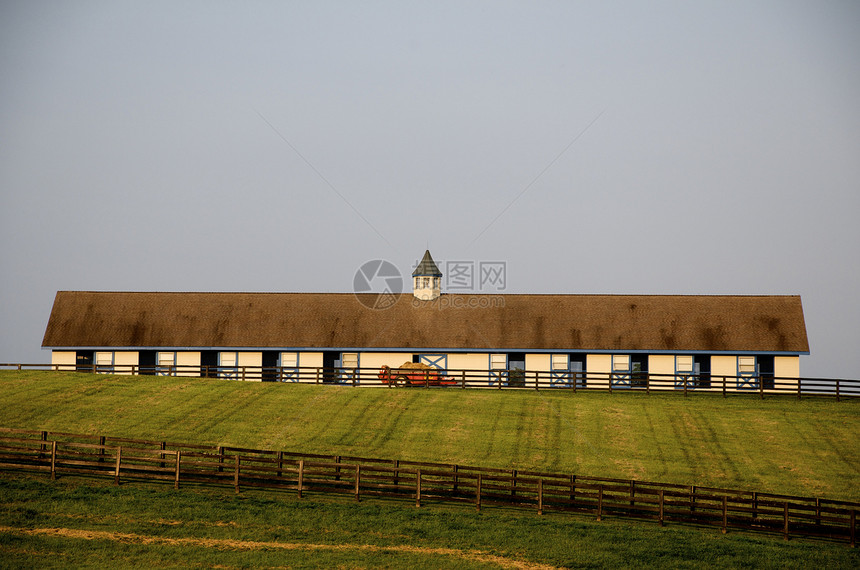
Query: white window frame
{"points": [[621, 363], [289, 364], [104, 364], [559, 362], [163, 360], [226, 369]]}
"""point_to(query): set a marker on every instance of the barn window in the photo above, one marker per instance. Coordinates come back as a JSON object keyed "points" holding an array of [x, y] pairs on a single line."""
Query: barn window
{"points": [[498, 361], [746, 365], [560, 362], [349, 360], [684, 364], [621, 363], [104, 362], [289, 359], [165, 360]]}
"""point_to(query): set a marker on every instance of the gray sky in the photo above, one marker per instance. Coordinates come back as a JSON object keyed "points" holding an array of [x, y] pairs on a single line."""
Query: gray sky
{"points": [[595, 147]]}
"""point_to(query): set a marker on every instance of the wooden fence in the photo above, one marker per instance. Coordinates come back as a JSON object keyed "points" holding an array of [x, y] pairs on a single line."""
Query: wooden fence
{"points": [[125, 459], [685, 384]]}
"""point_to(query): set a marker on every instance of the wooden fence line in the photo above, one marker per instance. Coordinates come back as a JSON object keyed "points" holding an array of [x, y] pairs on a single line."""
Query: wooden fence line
{"points": [[423, 482], [686, 384]]}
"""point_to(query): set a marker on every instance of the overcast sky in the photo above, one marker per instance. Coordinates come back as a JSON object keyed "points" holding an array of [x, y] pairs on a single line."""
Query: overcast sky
{"points": [[595, 147]]}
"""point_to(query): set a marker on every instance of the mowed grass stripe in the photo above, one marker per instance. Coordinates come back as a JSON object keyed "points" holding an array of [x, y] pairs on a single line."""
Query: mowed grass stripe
{"points": [[782, 445]]}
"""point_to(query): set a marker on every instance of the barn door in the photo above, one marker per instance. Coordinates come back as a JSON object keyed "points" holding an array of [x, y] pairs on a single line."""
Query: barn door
{"points": [[437, 361]]}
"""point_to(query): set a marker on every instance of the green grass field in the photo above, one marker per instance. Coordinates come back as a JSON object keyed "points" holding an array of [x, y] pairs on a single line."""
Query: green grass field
{"points": [[779, 445]]}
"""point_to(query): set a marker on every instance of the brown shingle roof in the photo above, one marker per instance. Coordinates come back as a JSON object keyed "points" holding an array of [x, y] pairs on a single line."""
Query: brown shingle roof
{"points": [[339, 320]]}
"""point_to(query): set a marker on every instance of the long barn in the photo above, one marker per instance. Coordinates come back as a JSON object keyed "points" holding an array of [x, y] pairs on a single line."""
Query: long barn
{"points": [[569, 337]]}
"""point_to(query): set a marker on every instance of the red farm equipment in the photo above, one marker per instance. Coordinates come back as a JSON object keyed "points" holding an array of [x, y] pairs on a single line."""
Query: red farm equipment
{"points": [[414, 374]]}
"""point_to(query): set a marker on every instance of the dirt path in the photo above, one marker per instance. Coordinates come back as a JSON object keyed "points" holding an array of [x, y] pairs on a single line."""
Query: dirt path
{"points": [[475, 555]]}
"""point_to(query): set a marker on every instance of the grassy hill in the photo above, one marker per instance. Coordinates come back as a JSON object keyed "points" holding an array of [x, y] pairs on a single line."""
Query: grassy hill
{"points": [[781, 445]]}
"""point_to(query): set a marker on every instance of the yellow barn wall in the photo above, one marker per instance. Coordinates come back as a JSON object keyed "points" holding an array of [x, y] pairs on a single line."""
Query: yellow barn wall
{"points": [[373, 361], [468, 361], [309, 362], [253, 360], [66, 360], [661, 369], [786, 366], [190, 359], [785, 370], [538, 362], [722, 365], [598, 367], [124, 362]]}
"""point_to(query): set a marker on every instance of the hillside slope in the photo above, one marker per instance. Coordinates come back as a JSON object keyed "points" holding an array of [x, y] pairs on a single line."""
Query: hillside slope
{"points": [[805, 447]]}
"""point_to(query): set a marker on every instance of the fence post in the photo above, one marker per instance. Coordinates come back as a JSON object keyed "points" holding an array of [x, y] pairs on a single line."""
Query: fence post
{"points": [[163, 447], [220, 458], [101, 449], [301, 476], [725, 512], [632, 492], [42, 448], [724, 386], [661, 507], [418, 488], [692, 499], [53, 460], [178, 461], [478, 494], [357, 481], [456, 478], [318, 375], [761, 386], [685, 386], [337, 469], [236, 475], [118, 460], [513, 482], [837, 389], [785, 521], [572, 490], [853, 527], [755, 505], [600, 503], [463, 379], [540, 496], [798, 388], [280, 463]]}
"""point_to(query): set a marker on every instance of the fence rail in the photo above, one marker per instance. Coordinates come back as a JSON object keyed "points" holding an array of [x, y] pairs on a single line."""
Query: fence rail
{"points": [[126, 459], [685, 384]]}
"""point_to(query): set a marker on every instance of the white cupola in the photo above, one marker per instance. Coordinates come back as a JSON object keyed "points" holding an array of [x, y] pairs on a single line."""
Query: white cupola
{"points": [[427, 279]]}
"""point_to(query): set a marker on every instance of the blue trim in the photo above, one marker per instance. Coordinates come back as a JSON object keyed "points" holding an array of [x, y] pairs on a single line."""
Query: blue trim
{"points": [[682, 378], [158, 371], [434, 360], [230, 372], [752, 378], [621, 378], [344, 375], [559, 376], [289, 374], [495, 377], [108, 369]]}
